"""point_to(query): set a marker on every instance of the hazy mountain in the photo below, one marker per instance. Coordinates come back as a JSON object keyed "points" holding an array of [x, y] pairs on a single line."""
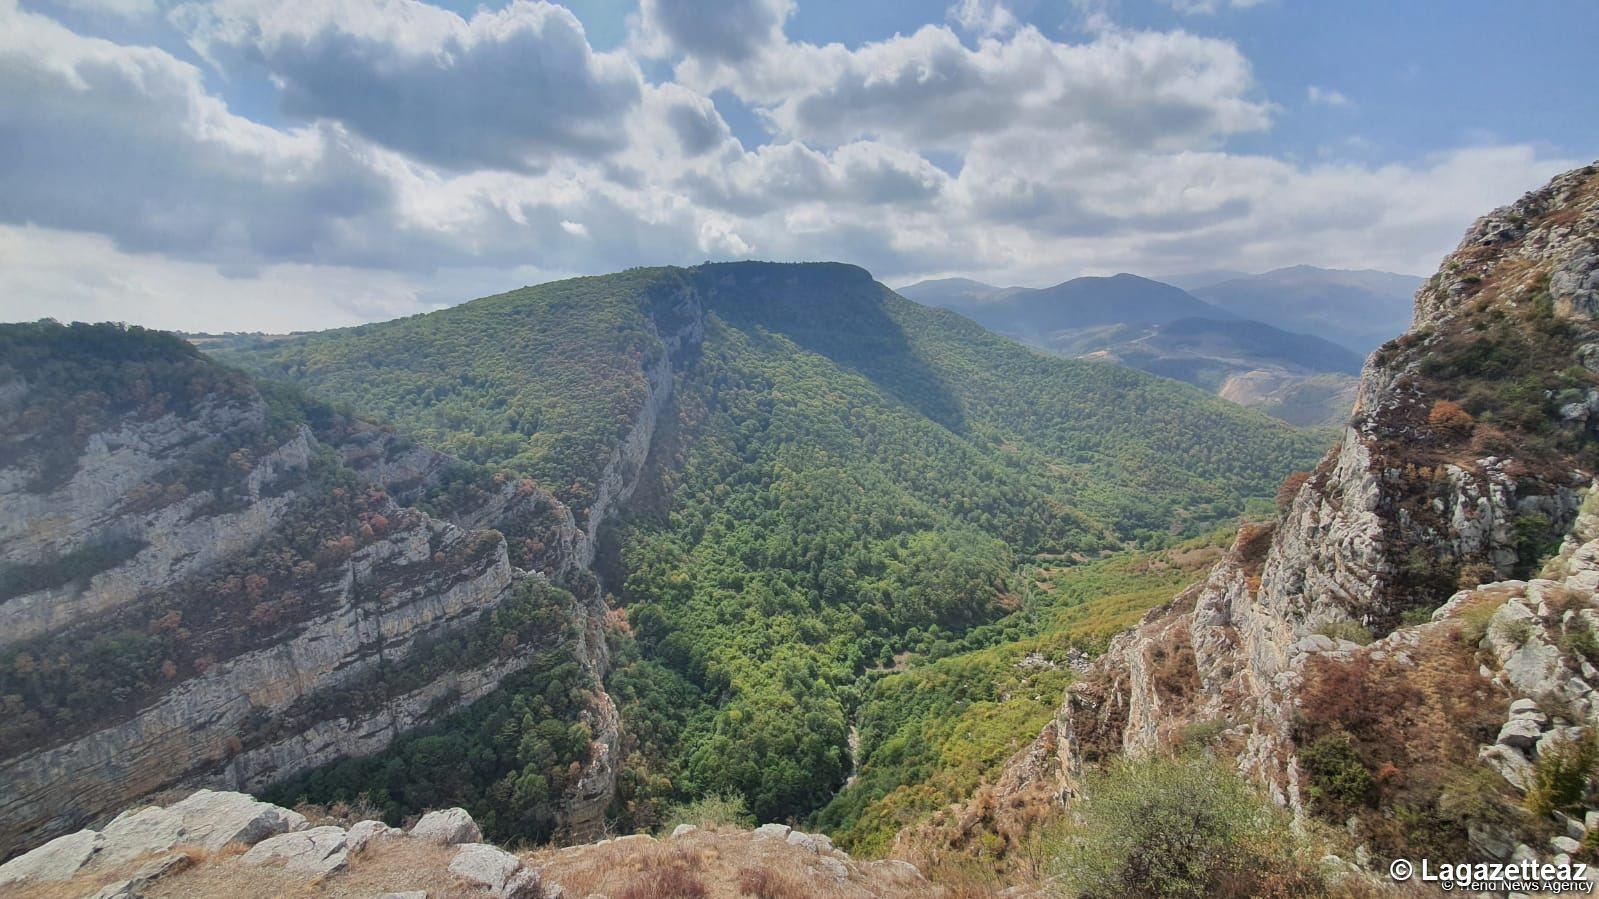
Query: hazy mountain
{"points": [[1164, 330], [1192, 281], [1359, 309]]}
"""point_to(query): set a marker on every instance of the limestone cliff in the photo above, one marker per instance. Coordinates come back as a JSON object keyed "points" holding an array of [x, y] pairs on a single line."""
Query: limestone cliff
{"points": [[1464, 463]]}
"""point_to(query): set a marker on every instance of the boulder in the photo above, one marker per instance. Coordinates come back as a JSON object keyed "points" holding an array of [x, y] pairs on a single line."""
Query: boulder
{"points": [[773, 831], [1521, 733], [683, 830], [214, 819], [1565, 844], [362, 833], [896, 871], [134, 886], [139, 832], [1510, 763], [58, 859], [835, 867], [810, 842], [448, 827], [317, 852], [499, 871]]}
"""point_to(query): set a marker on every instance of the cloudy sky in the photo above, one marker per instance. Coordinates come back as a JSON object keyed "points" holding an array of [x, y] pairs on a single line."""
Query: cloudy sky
{"points": [[294, 164]]}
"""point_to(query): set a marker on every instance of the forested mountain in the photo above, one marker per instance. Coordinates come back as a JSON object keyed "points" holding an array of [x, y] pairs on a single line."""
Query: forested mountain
{"points": [[835, 476], [1358, 309], [1160, 329]]}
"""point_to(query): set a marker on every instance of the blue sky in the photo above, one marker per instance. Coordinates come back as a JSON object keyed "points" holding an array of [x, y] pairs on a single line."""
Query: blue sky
{"points": [[278, 164]]}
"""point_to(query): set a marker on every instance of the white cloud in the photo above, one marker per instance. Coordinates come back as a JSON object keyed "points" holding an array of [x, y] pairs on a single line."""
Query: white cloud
{"points": [[1209, 7], [731, 32], [511, 88], [1325, 96], [130, 189]]}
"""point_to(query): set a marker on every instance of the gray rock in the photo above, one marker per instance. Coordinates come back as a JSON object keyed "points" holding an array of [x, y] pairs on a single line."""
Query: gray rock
{"points": [[683, 830], [1590, 819], [1315, 643], [1490, 840], [58, 859], [409, 894], [835, 867], [1565, 844], [134, 887], [214, 819], [363, 833], [896, 870], [317, 852], [810, 842], [1523, 706], [139, 832], [499, 871], [773, 831], [1521, 733], [1510, 763], [448, 827]]}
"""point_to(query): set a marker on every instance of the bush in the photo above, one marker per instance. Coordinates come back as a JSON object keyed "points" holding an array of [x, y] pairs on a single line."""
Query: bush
{"points": [[1449, 418], [1181, 826], [715, 810], [1560, 779], [1344, 629], [1337, 775]]}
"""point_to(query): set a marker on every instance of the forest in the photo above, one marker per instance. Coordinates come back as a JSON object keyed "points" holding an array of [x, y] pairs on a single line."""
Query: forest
{"points": [[843, 484]]}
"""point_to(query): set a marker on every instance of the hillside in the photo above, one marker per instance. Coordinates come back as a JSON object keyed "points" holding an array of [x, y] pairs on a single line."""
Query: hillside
{"points": [[1358, 309], [834, 476], [204, 580], [1162, 330], [1407, 652]]}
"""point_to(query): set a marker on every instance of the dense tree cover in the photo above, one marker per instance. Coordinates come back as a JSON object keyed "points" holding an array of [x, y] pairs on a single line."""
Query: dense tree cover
{"points": [[507, 759], [541, 381], [843, 476], [929, 734]]}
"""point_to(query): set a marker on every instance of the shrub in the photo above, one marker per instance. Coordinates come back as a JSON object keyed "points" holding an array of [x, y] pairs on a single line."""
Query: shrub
{"points": [[1344, 629], [1180, 826], [1290, 488], [1413, 617], [1472, 620], [1562, 774], [715, 810], [1450, 419], [1337, 775]]}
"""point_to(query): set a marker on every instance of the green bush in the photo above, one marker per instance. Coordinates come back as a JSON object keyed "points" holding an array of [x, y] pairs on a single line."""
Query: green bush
{"points": [[1337, 775], [1562, 775], [715, 810], [1183, 826]]}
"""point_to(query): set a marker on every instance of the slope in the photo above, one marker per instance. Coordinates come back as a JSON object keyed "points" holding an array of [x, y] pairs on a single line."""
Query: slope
{"points": [[836, 475], [208, 580]]}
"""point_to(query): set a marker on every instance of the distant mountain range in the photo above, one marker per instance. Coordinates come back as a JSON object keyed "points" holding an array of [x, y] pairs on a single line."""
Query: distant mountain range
{"points": [[1245, 337], [1359, 309]]}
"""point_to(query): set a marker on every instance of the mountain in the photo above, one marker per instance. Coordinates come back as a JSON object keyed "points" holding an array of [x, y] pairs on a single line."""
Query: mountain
{"points": [[834, 476], [205, 580], [1358, 309], [1035, 314], [1406, 650], [1191, 281], [1160, 329]]}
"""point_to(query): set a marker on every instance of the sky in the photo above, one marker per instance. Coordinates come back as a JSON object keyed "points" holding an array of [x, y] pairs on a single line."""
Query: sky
{"points": [[285, 165]]}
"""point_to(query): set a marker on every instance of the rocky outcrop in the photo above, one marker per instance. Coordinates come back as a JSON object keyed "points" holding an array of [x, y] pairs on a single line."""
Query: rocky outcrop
{"points": [[1419, 497], [266, 850]]}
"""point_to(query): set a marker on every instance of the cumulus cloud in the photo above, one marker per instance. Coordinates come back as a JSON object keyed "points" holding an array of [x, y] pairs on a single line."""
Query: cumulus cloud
{"points": [[731, 32], [418, 157], [1324, 96], [512, 88], [1209, 7], [929, 90]]}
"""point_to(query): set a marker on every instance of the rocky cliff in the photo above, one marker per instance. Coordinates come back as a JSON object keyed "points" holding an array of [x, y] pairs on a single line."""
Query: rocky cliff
{"points": [[207, 582], [1464, 464]]}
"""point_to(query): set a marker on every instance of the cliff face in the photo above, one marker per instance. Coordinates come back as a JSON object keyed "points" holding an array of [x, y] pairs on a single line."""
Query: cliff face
{"points": [[1463, 465], [196, 592]]}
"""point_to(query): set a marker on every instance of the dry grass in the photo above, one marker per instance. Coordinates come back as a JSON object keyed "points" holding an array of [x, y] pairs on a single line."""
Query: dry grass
{"points": [[728, 864]]}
